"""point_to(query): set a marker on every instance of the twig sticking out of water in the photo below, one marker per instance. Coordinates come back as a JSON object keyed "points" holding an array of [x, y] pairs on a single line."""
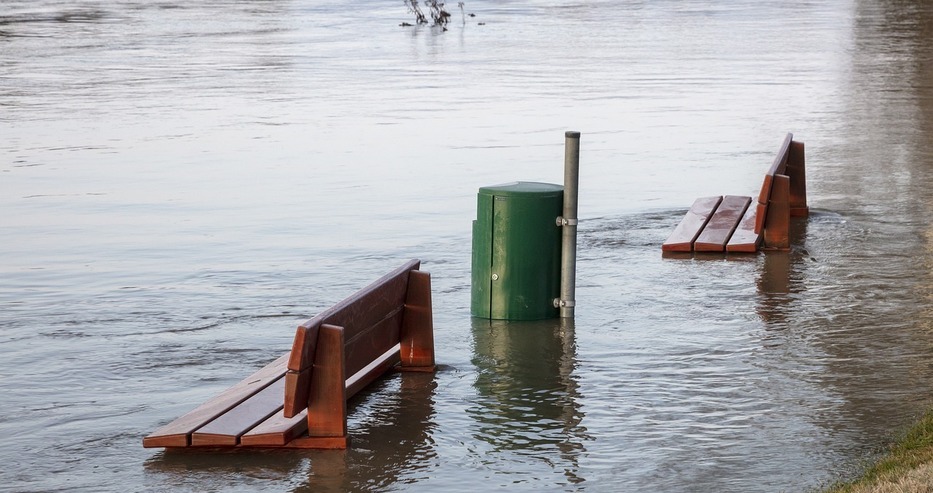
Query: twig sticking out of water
{"points": [[413, 8], [439, 15]]}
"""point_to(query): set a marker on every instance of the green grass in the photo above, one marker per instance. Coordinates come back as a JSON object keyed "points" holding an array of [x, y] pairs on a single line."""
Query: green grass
{"points": [[906, 468]]}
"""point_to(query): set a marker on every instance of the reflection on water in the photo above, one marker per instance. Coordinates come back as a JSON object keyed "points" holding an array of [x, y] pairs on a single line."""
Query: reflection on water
{"points": [[528, 397], [780, 278]]}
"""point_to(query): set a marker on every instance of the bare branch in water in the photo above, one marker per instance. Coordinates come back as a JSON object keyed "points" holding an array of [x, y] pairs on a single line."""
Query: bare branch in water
{"points": [[440, 17], [413, 8]]}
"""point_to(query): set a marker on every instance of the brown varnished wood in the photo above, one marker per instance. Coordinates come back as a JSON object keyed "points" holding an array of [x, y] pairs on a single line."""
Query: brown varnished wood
{"points": [[744, 239], [371, 372], [320, 443], [417, 334], [765, 222], [178, 432], [722, 224], [327, 405], [369, 305], [683, 236], [301, 356], [778, 166], [276, 431], [226, 429], [369, 343], [297, 387], [796, 171], [776, 234], [371, 319], [780, 161], [253, 413]]}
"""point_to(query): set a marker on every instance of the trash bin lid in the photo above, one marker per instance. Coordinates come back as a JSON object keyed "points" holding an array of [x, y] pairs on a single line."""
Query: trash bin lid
{"points": [[521, 188]]}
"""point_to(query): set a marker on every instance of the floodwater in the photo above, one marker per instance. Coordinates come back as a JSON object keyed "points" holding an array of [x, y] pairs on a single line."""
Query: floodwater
{"points": [[182, 183]]}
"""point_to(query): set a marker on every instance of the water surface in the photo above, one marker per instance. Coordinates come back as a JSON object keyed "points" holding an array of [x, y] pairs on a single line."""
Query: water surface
{"points": [[181, 184]]}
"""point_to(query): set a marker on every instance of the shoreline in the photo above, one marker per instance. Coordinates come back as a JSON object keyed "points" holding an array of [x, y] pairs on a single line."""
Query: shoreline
{"points": [[907, 467]]}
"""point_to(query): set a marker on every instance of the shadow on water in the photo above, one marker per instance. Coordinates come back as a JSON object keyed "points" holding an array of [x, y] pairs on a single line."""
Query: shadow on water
{"points": [[529, 399]]}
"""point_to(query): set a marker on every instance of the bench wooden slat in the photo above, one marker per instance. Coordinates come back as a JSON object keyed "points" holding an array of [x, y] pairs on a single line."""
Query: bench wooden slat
{"points": [[375, 369], [227, 428], [301, 356], [276, 431], [370, 343], [297, 391], [722, 224], [683, 236], [178, 432], [778, 167], [373, 303], [745, 239], [780, 161], [367, 306]]}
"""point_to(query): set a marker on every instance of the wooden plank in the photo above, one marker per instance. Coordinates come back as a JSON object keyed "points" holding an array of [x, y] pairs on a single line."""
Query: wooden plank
{"points": [[327, 406], [297, 391], [371, 320], [780, 160], [373, 303], [683, 236], [417, 335], [778, 166], [745, 239], [367, 306], [276, 431], [178, 432], [226, 429], [321, 443], [375, 369], [369, 343], [279, 430], [722, 224], [776, 234], [797, 172], [301, 356]]}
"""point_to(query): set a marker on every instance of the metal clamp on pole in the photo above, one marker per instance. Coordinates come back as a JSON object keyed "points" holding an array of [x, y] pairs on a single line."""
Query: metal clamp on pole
{"points": [[568, 221], [562, 221], [559, 303]]}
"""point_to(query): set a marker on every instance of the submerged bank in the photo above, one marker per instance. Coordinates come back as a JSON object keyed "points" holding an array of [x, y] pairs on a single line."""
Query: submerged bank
{"points": [[907, 467]]}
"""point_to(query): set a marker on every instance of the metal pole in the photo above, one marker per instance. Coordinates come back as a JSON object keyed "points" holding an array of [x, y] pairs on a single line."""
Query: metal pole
{"points": [[568, 255]]}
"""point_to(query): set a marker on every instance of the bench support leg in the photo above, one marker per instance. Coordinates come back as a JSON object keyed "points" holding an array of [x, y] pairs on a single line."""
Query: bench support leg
{"points": [[777, 225], [417, 334], [327, 402], [796, 170]]}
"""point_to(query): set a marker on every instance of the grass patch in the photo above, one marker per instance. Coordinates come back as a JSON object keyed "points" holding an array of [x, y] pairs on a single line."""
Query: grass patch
{"points": [[907, 467]]}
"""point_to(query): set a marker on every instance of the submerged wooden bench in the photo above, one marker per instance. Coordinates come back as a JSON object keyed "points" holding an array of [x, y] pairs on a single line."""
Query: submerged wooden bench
{"points": [[734, 224], [300, 399]]}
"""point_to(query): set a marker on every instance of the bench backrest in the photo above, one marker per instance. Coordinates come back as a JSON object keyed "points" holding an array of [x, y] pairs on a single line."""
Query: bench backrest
{"points": [[778, 167], [371, 322]]}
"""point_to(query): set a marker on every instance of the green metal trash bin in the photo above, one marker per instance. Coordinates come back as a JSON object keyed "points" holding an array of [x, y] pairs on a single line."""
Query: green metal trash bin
{"points": [[516, 251]]}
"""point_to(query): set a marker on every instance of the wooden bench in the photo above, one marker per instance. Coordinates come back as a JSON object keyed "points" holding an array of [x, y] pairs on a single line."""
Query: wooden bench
{"points": [[734, 224], [300, 399]]}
